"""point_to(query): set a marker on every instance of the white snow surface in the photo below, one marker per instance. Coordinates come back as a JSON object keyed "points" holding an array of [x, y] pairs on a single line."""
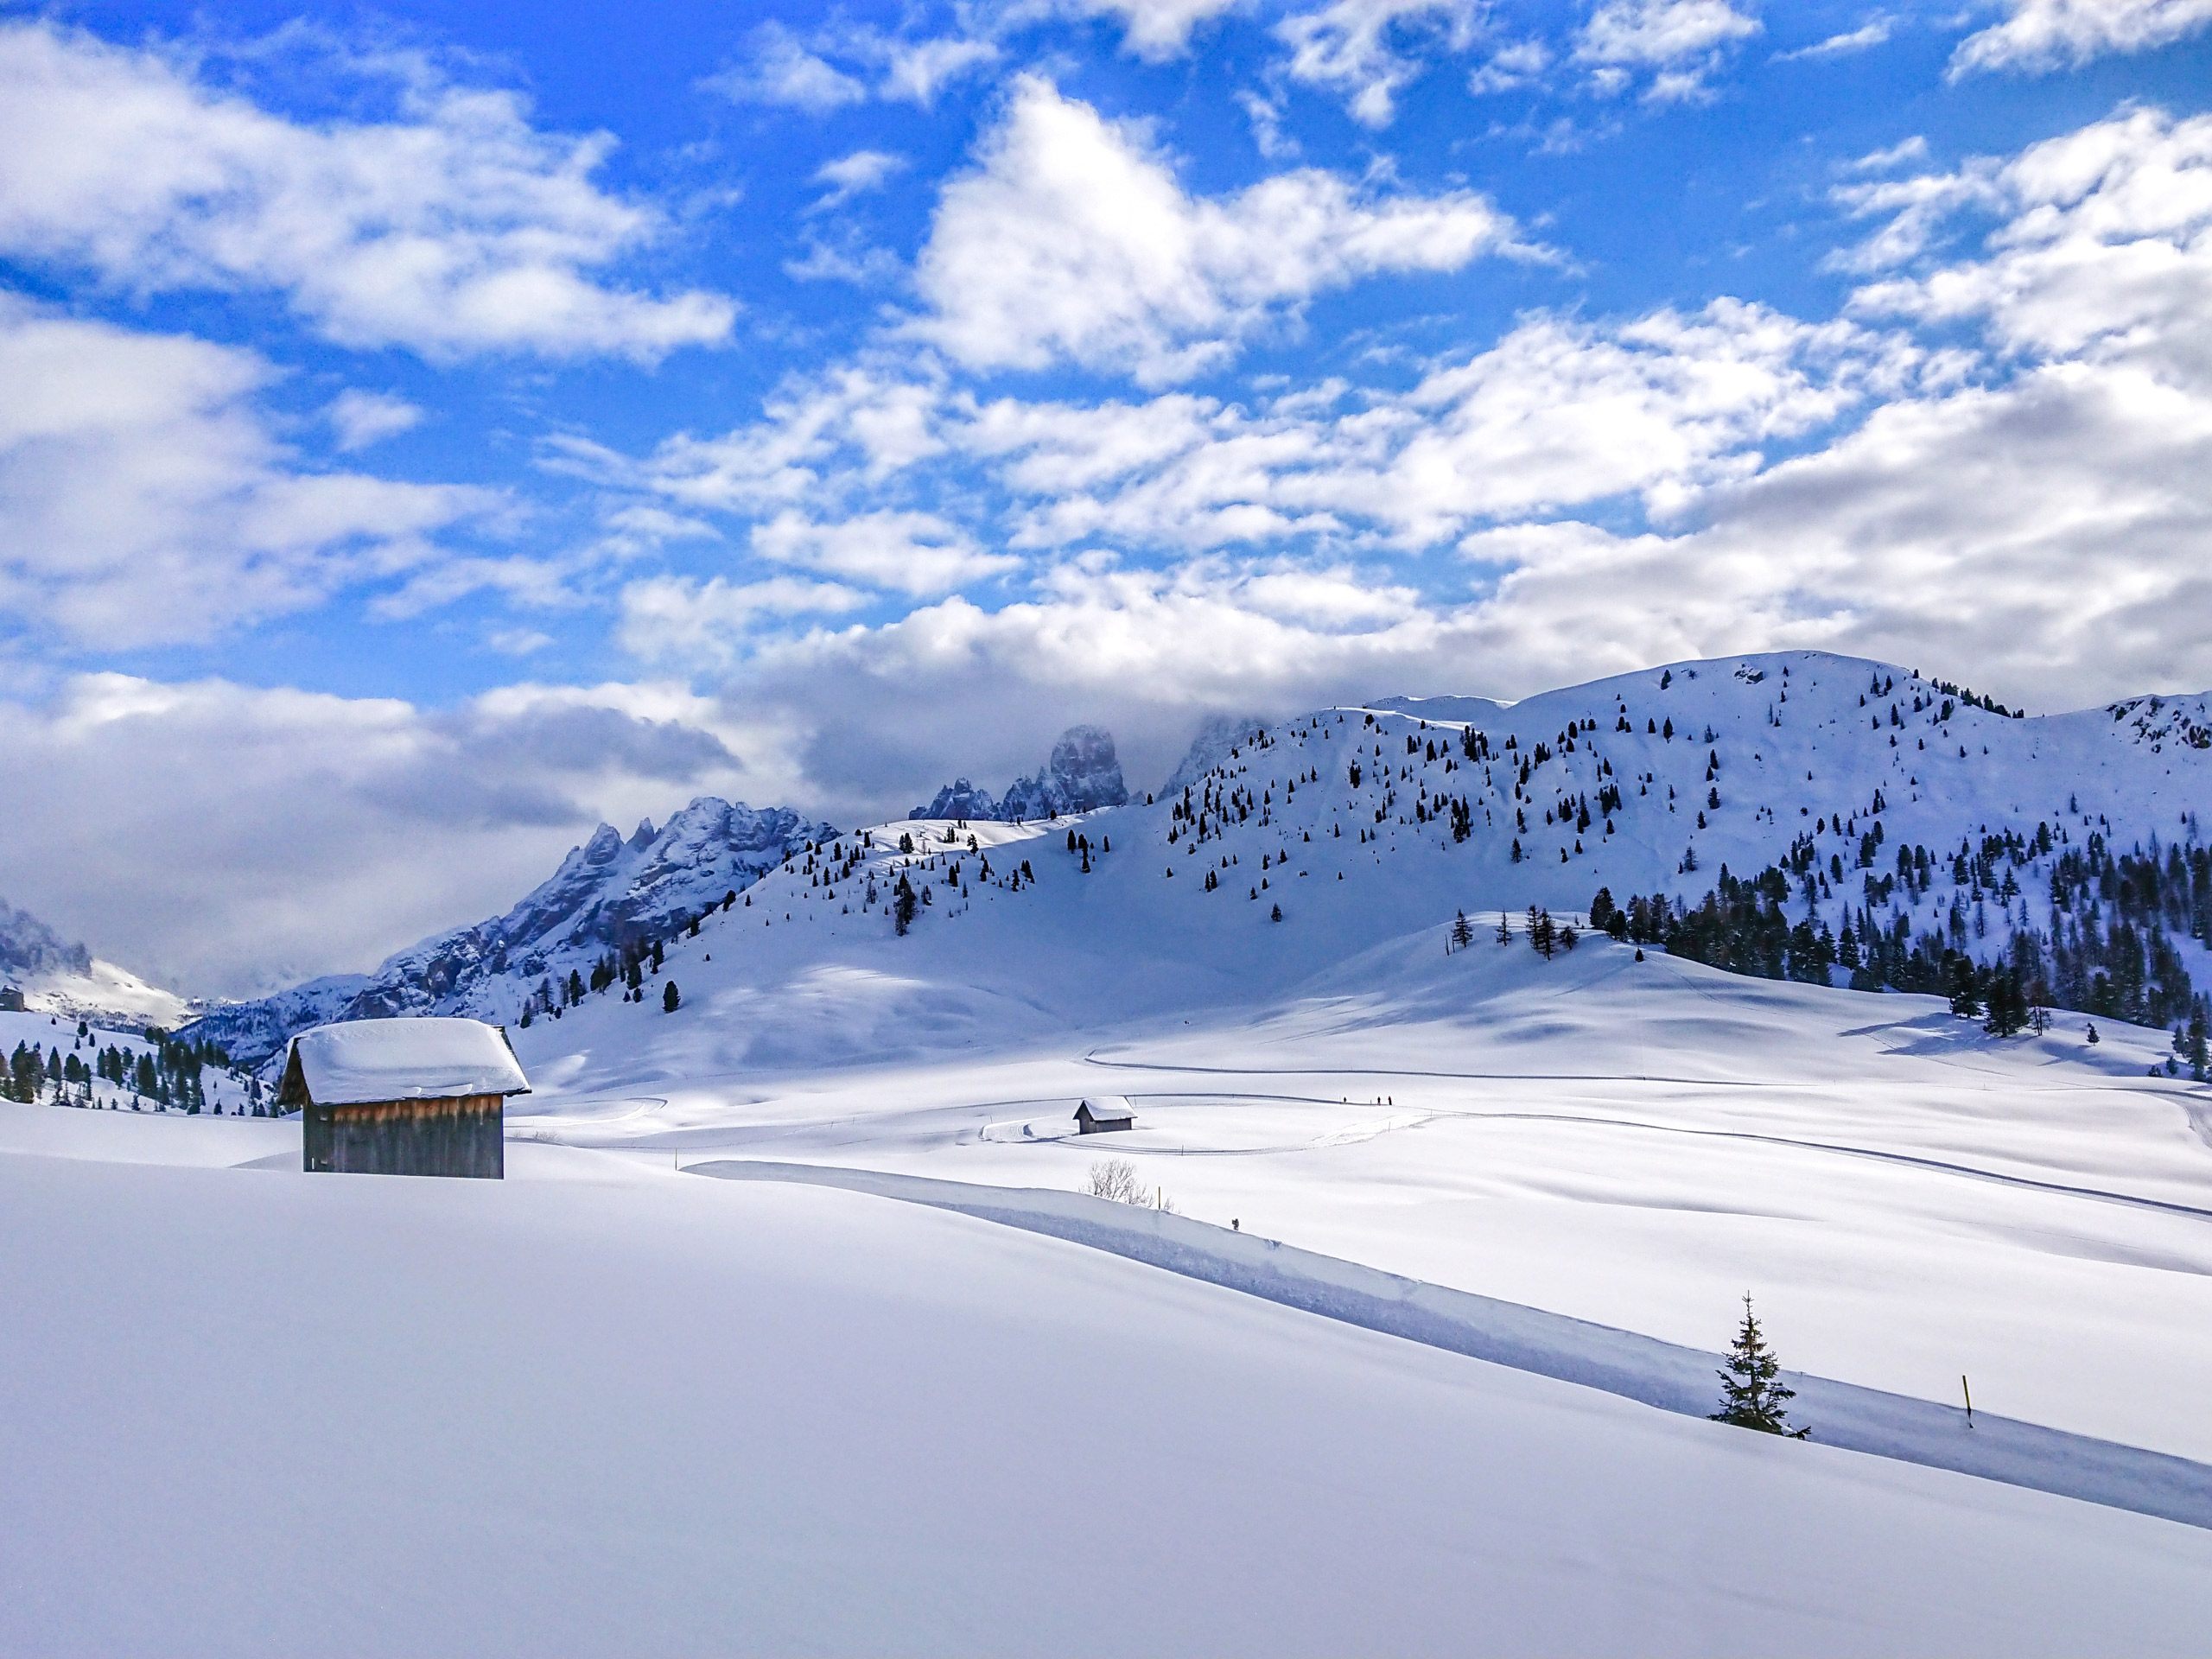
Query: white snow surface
{"points": [[104, 992], [423, 1058], [604, 1407], [1417, 1367]]}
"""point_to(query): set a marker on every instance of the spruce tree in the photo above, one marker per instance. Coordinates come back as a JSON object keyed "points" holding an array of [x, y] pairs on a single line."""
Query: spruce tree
{"points": [[671, 998], [1750, 1394]]}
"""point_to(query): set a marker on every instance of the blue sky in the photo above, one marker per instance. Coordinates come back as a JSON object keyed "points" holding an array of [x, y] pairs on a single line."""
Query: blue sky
{"points": [[437, 428]]}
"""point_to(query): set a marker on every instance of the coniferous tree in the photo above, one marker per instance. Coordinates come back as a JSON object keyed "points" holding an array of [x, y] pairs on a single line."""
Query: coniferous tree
{"points": [[1603, 910], [1463, 931], [903, 906], [671, 998], [1752, 1396]]}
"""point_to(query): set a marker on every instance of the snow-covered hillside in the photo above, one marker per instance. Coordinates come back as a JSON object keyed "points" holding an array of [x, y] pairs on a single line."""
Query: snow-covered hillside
{"points": [[1365, 825], [2065, 848], [62, 1060], [608, 894], [58, 977]]}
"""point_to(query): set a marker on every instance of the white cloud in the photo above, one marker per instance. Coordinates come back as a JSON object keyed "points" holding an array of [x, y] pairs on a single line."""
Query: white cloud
{"points": [[1510, 67], [1351, 47], [144, 499], [1073, 241], [1683, 41], [850, 175], [457, 228], [1267, 135], [2105, 255], [362, 418], [248, 837], [1157, 30], [782, 70], [845, 257], [679, 619], [1917, 208], [915, 71], [1876, 31], [1882, 160], [1556, 415], [911, 552], [2044, 34]]}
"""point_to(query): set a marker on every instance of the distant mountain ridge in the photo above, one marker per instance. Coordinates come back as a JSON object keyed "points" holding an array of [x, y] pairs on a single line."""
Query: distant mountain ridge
{"points": [[607, 894], [29, 948], [1082, 775], [55, 976]]}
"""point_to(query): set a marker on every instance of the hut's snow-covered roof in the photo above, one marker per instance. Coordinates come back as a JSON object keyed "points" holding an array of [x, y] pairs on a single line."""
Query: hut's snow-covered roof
{"points": [[427, 1059], [1108, 1109]]}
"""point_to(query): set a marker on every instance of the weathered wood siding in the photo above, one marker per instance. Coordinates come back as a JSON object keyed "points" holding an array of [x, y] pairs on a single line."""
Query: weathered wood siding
{"points": [[462, 1136]]}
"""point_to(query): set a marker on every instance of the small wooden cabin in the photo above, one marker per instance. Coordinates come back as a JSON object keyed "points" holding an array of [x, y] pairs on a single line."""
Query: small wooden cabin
{"points": [[1104, 1112], [419, 1096]]}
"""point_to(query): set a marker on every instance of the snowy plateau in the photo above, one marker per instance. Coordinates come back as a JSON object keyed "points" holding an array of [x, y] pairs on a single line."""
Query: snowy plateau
{"points": [[796, 1327]]}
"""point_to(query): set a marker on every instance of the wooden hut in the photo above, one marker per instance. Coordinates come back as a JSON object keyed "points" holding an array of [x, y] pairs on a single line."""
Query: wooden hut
{"points": [[422, 1096], [1103, 1112]]}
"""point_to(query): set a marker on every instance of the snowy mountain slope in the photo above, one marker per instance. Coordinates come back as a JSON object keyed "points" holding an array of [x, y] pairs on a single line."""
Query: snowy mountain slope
{"points": [[62, 978], [607, 894], [1367, 825], [599, 1407], [115, 1066]]}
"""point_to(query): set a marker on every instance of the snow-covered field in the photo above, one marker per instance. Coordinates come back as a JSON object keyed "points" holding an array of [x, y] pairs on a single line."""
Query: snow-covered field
{"points": [[792, 1330], [609, 1406]]}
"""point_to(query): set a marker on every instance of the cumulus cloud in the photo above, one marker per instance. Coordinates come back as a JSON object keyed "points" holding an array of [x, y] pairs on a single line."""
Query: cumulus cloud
{"points": [[2045, 34], [456, 227], [1681, 41], [2104, 252], [1071, 240], [320, 833], [1359, 49], [144, 500], [1555, 415], [359, 419]]}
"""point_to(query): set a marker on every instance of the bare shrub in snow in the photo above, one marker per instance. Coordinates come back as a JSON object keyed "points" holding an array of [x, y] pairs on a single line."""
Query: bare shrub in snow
{"points": [[1116, 1179]]}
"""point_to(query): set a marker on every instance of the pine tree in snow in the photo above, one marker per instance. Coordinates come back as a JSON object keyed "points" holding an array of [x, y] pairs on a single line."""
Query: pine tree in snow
{"points": [[1750, 1394]]}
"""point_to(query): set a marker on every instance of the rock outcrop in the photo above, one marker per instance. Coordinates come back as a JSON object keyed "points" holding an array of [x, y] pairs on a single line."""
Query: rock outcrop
{"points": [[1082, 774], [608, 894]]}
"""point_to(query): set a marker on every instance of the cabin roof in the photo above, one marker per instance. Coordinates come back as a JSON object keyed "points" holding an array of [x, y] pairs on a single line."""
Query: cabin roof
{"points": [[426, 1059], [1105, 1107]]}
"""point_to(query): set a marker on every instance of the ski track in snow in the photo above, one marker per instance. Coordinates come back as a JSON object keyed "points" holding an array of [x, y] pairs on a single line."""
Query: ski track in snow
{"points": [[1639, 1368]]}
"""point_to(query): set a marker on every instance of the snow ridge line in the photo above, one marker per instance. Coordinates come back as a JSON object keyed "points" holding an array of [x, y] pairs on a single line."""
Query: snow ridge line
{"points": [[1643, 1369]]}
